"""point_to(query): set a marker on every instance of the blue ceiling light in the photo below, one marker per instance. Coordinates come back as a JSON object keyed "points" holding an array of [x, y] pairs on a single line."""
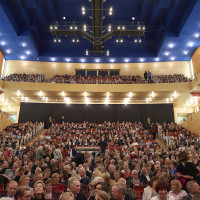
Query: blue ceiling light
{"points": [[157, 59], [53, 59], [185, 52], [141, 59], [196, 35], [112, 60], [172, 58], [97, 60]]}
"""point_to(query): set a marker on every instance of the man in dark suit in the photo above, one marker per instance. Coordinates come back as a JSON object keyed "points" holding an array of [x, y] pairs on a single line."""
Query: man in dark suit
{"points": [[11, 189], [75, 187], [119, 192], [192, 188]]}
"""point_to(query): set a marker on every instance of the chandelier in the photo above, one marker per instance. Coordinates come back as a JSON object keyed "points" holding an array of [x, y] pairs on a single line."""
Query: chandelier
{"points": [[97, 33]]}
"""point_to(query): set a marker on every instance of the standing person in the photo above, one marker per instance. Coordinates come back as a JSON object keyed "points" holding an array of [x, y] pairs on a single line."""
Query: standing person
{"points": [[145, 75], [75, 187], [149, 75], [103, 144]]}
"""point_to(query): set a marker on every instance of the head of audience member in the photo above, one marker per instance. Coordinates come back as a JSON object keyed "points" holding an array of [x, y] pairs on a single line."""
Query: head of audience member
{"points": [[122, 180], [38, 176], [183, 157], [82, 172], [101, 186], [157, 173], [39, 190], [67, 196], [118, 191], [135, 174], [11, 188], [176, 186], [49, 186], [196, 197], [192, 187], [74, 185], [24, 180], [23, 193], [162, 190], [102, 195], [164, 177], [55, 178], [153, 182], [47, 173], [117, 176]]}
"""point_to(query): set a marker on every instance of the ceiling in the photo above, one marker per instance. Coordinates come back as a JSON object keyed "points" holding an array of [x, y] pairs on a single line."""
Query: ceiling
{"points": [[172, 30]]}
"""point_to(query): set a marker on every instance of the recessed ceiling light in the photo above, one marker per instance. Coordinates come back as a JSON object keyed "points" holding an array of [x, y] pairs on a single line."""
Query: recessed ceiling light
{"points": [[171, 45], [23, 44], [28, 52], [185, 52], [157, 59], [190, 44], [3, 43], [112, 60], [172, 58], [53, 59], [97, 60], [67, 59], [126, 60], [82, 60], [22, 57], [166, 53], [196, 35], [8, 51], [141, 59]]}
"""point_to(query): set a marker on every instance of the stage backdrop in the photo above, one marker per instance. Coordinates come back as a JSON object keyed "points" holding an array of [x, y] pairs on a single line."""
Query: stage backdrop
{"points": [[96, 113]]}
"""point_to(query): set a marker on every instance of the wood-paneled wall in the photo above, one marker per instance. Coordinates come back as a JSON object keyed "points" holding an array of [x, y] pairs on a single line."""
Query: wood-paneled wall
{"points": [[193, 123], [1, 61], [52, 68], [196, 61], [4, 121]]}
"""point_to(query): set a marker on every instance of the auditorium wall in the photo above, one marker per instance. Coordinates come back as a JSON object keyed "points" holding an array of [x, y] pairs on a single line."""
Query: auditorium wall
{"points": [[96, 113], [196, 61], [52, 68], [1, 61], [4, 121], [193, 123]]}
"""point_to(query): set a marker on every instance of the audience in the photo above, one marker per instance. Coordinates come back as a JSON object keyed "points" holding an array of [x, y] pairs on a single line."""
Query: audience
{"points": [[129, 157]]}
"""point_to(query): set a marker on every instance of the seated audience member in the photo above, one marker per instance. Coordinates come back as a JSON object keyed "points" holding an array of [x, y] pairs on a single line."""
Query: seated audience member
{"points": [[176, 190], [196, 197], [11, 173], [37, 177], [56, 185], [101, 186], [50, 194], [150, 191], [23, 192], [162, 190], [24, 180], [134, 180], [119, 192], [145, 176], [39, 191], [192, 188], [75, 187], [102, 195], [11, 189], [67, 196]]}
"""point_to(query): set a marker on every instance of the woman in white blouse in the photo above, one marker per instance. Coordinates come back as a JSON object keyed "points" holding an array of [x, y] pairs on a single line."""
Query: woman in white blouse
{"points": [[176, 190]]}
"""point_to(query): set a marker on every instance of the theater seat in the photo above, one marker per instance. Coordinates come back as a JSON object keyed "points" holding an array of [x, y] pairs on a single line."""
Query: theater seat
{"points": [[139, 189]]}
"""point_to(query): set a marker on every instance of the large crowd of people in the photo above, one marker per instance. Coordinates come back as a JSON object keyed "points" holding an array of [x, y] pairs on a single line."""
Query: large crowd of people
{"points": [[111, 160], [23, 77], [78, 79]]}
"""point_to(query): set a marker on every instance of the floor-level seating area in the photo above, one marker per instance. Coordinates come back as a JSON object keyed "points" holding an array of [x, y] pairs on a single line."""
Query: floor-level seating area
{"points": [[131, 158]]}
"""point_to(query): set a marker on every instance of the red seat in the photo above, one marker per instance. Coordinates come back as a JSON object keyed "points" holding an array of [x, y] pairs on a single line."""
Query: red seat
{"points": [[139, 189]]}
